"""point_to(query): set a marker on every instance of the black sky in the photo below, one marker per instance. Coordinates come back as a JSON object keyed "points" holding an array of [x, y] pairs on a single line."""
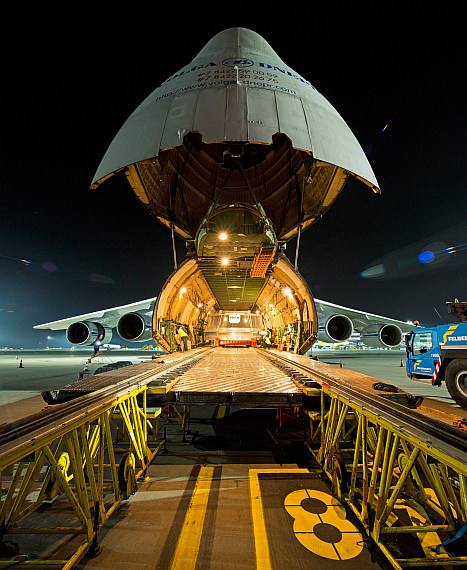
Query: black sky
{"points": [[69, 86]]}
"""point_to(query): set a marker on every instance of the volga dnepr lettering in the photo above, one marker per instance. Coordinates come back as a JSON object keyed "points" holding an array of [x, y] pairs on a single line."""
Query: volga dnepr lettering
{"points": [[261, 64]]}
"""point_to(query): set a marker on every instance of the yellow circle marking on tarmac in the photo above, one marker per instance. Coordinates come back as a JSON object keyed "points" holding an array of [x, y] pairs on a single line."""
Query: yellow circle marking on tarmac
{"points": [[328, 519]]}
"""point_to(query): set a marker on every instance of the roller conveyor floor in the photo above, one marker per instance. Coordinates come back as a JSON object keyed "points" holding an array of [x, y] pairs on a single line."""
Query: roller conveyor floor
{"points": [[235, 370]]}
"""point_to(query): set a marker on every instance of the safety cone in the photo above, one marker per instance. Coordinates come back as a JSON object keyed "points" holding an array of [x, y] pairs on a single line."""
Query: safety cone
{"points": [[342, 366], [16, 357], [86, 368], [402, 364], [20, 364]]}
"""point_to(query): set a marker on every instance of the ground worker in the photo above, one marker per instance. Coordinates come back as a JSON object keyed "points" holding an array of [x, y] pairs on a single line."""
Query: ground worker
{"points": [[184, 338]]}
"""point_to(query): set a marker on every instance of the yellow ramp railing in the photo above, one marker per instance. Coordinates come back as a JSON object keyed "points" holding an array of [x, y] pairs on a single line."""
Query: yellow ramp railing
{"points": [[397, 481], [81, 466]]}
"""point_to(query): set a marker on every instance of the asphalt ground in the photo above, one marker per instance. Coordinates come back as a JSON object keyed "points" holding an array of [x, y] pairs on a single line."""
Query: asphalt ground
{"points": [[250, 493], [230, 493], [25, 374]]}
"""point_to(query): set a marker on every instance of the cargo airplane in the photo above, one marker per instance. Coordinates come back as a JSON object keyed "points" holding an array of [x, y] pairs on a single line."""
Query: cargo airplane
{"points": [[237, 154]]}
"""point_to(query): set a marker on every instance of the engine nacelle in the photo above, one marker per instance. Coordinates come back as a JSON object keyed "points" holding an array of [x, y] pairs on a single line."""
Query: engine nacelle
{"points": [[381, 336], [135, 326], [86, 333], [337, 328]]}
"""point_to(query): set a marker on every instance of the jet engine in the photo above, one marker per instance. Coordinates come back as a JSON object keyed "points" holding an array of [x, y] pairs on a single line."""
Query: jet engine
{"points": [[135, 326], [381, 336], [337, 328], [86, 333]]}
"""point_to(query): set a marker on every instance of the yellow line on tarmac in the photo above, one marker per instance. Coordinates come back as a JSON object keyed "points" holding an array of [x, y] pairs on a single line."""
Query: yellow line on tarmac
{"points": [[263, 555], [187, 550]]}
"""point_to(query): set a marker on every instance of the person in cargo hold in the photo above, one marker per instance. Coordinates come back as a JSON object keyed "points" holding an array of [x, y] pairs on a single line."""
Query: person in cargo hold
{"points": [[184, 338]]}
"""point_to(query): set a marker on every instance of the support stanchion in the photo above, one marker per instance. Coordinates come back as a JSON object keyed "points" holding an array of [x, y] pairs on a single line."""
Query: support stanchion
{"points": [[164, 449], [95, 548]]}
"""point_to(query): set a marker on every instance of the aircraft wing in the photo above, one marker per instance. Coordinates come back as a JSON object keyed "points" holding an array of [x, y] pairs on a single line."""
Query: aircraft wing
{"points": [[360, 319], [107, 317], [336, 324]]}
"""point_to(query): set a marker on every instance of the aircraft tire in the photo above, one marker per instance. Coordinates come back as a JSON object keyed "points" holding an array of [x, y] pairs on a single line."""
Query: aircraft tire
{"points": [[456, 381]]}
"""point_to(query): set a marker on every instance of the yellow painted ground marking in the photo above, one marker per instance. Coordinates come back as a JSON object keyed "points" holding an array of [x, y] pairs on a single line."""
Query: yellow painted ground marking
{"points": [[333, 513], [428, 540], [187, 550], [263, 556]]}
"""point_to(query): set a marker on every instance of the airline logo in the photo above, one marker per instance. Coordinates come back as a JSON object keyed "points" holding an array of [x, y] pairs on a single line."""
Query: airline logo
{"points": [[234, 62], [417, 364]]}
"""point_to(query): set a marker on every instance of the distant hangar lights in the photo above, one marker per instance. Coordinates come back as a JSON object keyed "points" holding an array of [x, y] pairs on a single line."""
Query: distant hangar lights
{"points": [[223, 236], [224, 261]]}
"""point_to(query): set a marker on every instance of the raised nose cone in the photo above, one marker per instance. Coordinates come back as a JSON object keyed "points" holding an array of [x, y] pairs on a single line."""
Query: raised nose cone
{"points": [[235, 38], [236, 125]]}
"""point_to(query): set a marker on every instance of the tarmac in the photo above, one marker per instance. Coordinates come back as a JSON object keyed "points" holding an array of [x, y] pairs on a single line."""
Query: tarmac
{"points": [[237, 492], [24, 374]]}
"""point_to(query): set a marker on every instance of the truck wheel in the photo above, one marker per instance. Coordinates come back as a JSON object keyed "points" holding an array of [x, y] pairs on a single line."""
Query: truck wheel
{"points": [[456, 381]]}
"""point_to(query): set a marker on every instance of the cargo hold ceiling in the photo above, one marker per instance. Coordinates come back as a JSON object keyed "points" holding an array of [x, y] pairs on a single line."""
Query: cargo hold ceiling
{"points": [[197, 288], [181, 184]]}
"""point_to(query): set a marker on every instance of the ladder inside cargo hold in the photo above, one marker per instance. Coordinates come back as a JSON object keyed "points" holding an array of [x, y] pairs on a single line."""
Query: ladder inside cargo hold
{"points": [[162, 342], [308, 337], [307, 344], [262, 260]]}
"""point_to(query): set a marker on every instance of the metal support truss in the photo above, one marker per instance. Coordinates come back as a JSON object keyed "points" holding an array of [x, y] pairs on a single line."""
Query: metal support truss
{"points": [[409, 493], [81, 468]]}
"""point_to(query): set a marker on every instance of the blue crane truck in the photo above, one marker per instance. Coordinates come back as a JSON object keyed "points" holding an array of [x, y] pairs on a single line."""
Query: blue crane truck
{"points": [[439, 354]]}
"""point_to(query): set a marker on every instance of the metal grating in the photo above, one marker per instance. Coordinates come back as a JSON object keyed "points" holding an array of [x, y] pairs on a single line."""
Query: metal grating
{"points": [[240, 370]]}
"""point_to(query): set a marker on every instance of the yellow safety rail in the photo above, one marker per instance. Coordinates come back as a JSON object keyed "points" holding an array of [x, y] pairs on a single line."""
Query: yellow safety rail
{"points": [[409, 494], [81, 468]]}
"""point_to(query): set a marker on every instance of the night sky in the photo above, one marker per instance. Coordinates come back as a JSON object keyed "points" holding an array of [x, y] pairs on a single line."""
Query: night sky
{"points": [[68, 88]]}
